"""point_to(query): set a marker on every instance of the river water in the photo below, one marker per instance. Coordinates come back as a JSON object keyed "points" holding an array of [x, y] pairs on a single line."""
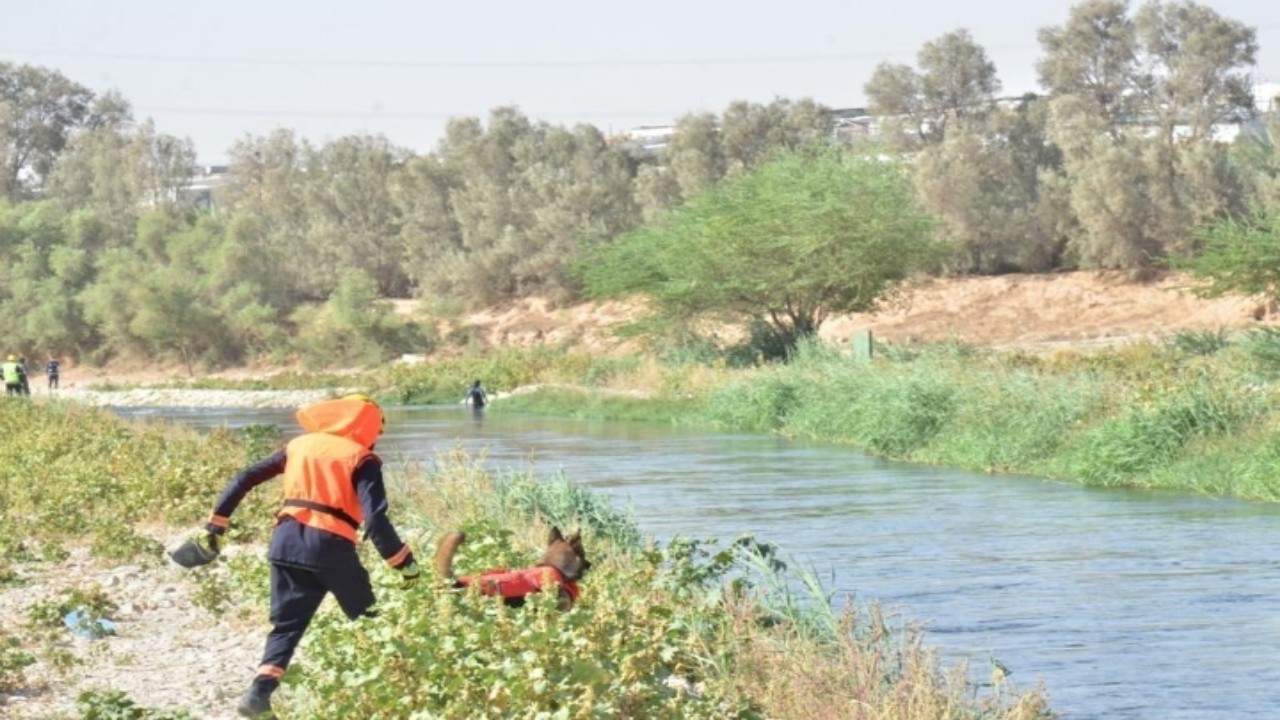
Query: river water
{"points": [[1125, 604]]}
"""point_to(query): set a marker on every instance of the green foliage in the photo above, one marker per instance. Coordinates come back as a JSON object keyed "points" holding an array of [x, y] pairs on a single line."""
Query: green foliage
{"points": [[1262, 347], [355, 328], [458, 655], [1240, 256], [805, 235], [110, 475], [1200, 342], [445, 380], [564, 504], [42, 108], [13, 661], [116, 705], [763, 403], [1141, 439]]}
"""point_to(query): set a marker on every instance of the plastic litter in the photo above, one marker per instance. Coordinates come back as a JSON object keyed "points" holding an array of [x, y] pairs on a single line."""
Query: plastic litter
{"points": [[83, 624]]}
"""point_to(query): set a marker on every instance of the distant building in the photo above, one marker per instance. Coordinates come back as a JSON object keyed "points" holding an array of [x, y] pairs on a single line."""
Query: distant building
{"points": [[645, 141], [851, 124], [202, 190]]}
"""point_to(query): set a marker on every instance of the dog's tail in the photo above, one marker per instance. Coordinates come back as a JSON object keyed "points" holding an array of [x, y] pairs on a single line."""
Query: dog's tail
{"points": [[445, 552]]}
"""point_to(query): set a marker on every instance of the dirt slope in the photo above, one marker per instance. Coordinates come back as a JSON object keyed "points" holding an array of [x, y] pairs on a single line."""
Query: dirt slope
{"points": [[1073, 309], [1080, 309]]}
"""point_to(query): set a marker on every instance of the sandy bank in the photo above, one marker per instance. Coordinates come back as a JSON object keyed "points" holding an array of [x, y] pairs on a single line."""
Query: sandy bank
{"points": [[176, 397]]}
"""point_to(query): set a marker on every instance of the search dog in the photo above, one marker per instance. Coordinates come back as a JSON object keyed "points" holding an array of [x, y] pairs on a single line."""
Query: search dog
{"points": [[561, 567]]}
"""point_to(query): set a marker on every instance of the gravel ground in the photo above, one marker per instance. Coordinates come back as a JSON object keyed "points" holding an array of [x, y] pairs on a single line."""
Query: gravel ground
{"points": [[166, 652]]}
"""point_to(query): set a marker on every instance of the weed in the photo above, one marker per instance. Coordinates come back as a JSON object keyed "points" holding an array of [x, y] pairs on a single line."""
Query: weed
{"points": [[13, 662], [1200, 342], [116, 705]]}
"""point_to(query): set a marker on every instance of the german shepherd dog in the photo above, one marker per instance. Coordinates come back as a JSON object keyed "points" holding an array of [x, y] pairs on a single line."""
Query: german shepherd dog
{"points": [[561, 567]]}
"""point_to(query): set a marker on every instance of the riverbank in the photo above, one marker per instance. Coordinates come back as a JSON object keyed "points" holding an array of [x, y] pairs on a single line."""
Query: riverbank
{"points": [[654, 635]]}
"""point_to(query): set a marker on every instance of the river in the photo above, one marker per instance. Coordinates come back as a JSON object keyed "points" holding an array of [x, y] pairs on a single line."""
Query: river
{"points": [[1125, 604]]}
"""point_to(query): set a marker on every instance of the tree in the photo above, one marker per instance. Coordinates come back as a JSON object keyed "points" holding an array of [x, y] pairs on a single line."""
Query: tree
{"points": [[1194, 66], [808, 234], [1135, 108], [119, 169], [266, 190], [353, 222], [1240, 257], [501, 207], [956, 82], [984, 185], [694, 154], [751, 132], [1094, 56], [39, 111]]}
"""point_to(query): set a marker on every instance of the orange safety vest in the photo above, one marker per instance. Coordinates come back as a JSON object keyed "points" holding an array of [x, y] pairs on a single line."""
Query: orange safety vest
{"points": [[318, 488], [520, 583]]}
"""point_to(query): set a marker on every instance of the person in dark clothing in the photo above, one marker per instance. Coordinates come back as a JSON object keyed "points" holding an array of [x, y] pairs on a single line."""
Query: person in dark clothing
{"points": [[476, 397], [332, 485], [26, 379], [51, 372]]}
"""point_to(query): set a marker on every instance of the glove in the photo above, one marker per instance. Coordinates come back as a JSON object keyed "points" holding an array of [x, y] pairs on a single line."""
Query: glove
{"points": [[408, 574], [210, 542], [199, 550]]}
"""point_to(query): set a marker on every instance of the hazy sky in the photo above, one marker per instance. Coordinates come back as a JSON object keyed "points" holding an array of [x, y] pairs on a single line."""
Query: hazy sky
{"points": [[217, 71]]}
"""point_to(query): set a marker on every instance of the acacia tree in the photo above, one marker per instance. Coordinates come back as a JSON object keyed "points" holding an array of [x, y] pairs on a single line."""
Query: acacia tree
{"points": [[808, 234], [1240, 257]]}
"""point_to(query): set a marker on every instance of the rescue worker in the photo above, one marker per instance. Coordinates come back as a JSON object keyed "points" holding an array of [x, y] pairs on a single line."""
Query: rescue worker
{"points": [[14, 375], [51, 372], [476, 397], [332, 485], [26, 380]]}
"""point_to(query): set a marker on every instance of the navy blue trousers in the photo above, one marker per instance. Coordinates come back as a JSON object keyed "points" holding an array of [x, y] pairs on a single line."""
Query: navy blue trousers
{"points": [[296, 594]]}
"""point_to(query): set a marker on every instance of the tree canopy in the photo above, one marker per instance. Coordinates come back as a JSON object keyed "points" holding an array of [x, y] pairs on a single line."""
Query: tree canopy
{"points": [[808, 234]]}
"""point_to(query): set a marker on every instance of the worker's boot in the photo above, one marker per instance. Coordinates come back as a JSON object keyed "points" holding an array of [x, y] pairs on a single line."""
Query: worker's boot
{"points": [[256, 702]]}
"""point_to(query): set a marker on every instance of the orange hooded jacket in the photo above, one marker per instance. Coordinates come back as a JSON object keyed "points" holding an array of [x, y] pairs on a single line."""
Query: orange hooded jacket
{"points": [[318, 487]]}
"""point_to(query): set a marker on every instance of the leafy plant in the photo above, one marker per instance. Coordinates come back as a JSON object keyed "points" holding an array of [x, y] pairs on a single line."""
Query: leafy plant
{"points": [[117, 705], [13, 661], [1200, 342]]}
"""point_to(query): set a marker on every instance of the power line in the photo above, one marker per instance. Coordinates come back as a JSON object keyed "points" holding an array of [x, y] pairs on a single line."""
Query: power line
{"points": [[379, 115], [548, 64]]}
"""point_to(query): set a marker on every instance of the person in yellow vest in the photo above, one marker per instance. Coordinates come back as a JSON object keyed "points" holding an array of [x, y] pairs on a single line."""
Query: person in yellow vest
{"points": [[15, 376], [332, 485]]}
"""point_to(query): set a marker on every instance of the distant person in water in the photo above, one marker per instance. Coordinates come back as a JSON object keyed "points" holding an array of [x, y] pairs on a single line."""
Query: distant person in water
{"points": [[476, 397], [51, 371]]}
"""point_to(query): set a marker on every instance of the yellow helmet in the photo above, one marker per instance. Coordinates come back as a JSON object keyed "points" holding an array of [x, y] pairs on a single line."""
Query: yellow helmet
{"points": [[13, 358]]}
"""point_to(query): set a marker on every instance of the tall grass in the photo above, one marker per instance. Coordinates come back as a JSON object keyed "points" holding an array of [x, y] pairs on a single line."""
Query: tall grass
{"points": [[1150, 414]]}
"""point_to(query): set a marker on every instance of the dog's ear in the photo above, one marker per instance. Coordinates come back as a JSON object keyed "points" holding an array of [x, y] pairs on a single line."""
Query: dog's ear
{"points": [[575, 539], [555, 535]]}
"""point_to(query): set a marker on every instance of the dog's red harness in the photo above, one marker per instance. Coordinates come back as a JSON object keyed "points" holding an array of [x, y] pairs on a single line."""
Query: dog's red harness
{"points": [[510, 584]]}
